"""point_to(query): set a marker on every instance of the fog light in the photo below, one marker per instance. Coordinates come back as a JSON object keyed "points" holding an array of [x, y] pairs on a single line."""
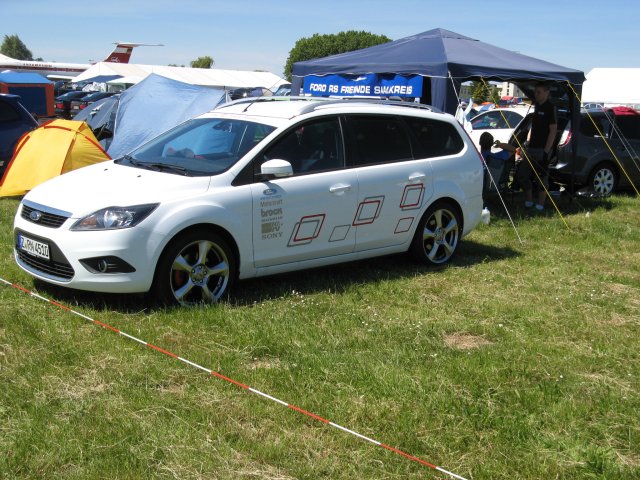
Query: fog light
{"points": [[109, 264]]}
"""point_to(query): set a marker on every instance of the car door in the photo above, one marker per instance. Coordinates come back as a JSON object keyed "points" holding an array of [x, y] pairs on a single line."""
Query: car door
{"points": [[309, 214], [394, 180]]}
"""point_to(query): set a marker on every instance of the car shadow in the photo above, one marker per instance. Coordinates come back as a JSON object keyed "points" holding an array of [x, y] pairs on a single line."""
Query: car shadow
{"points": [[336, 278]]}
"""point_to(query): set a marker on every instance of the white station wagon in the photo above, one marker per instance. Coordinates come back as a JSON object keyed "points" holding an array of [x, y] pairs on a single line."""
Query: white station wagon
{"points": [[256, 187]]}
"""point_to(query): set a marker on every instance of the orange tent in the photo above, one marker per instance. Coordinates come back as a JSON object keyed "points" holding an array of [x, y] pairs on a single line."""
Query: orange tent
{"points": [[52, 149]]}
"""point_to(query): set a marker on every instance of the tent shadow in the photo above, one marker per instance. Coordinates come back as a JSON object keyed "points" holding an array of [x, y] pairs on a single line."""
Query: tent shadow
{"points": [[336, 278], [566, 203]]}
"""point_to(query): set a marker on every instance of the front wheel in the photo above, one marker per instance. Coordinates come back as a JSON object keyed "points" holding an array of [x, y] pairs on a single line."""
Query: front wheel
{"points": [[197, 267], [603, 179], [437, 235]]}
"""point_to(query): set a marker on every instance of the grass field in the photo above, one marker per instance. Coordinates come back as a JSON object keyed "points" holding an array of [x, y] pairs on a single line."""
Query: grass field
{"points": [[517, 361]]}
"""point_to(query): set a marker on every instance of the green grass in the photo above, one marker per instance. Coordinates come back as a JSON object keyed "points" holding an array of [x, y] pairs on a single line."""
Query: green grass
{"points": [[518, 361]]}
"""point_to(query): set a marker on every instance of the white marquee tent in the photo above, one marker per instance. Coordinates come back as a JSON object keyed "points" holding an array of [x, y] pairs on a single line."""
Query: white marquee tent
{"points": [[612, 86], [212, 77]]}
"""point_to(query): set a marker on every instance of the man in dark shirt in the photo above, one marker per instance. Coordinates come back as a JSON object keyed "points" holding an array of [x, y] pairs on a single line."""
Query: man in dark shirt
{"points": [[538, 147]]}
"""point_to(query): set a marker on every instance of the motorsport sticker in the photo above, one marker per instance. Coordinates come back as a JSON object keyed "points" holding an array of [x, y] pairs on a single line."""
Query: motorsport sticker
{"points": [[271, 214]]}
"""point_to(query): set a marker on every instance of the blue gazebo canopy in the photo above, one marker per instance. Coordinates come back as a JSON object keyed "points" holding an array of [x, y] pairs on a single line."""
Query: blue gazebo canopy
{"points": [[446, 57]]}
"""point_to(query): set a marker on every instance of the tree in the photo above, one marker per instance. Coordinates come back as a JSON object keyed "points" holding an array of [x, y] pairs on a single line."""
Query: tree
{"points": [[202, 62], [479, 91], [318, 46], [13, 47], [483, 92]]}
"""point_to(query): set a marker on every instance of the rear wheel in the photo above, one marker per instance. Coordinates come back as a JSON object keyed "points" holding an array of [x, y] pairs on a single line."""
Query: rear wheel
{"points": [[197, 267], [603, 179], [437, 235]]}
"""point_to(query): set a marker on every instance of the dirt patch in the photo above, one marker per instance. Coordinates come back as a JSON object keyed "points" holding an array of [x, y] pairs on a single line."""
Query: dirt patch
{"points": [[264, 363], [465, 341]]}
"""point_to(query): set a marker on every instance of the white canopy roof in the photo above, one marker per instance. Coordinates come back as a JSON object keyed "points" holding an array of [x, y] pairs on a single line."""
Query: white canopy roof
{"points": [[612, 86], [194, 76]]}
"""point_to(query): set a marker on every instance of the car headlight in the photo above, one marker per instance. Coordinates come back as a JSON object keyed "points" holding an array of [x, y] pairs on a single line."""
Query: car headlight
{"points": [[112, 218]]}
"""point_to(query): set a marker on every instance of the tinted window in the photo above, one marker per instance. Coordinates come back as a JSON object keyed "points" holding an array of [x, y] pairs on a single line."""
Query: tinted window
{"points": [[310, 147], [629, 126], [435, 138], [588, 125], [8, 113], [380, 139]]}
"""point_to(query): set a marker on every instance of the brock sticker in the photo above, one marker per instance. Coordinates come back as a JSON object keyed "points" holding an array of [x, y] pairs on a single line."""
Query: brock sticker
{"points": [[271, 214]]}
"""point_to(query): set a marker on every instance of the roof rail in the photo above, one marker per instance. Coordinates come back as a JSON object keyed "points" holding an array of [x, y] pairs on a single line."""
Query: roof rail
{"points": [[320, 102], [373, 101]]}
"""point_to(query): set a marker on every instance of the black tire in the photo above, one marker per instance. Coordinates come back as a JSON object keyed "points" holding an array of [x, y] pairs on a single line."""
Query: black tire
{"points": [[603, 179], [437, 235], [197, 267]]}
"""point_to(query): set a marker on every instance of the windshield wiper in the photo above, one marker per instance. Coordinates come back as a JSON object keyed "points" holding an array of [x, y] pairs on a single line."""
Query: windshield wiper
{"points": [[129, 159], [164, 167]]}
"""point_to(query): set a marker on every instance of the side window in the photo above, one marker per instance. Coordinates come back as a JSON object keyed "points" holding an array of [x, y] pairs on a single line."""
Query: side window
{"points": [[435, 138], [380, 139], [8, 113], [489, 121], [629, 126], [513, 119], [310, 147], [588, 129]]}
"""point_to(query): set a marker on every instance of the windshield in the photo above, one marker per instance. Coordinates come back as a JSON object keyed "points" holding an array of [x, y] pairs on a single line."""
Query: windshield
{"points": [[199, 147]]}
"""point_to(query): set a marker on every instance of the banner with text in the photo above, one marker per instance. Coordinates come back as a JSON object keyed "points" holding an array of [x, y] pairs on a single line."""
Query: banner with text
{"points": [[363, 85]]}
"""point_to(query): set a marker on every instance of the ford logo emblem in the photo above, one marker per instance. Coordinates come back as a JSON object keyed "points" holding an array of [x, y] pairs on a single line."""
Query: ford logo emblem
{"points": [[270, 191], [35, 215]]}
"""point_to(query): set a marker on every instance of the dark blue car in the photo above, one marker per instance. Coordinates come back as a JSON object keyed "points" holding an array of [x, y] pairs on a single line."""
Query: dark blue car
{"points": [[15, 120]]}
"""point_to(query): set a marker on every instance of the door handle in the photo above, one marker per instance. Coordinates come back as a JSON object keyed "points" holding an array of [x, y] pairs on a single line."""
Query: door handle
{"points": [[339, 188], [415, 177]]}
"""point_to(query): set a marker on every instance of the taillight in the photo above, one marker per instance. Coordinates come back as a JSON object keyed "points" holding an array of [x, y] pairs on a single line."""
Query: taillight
{"points": [[565, 138], [82, 106]]}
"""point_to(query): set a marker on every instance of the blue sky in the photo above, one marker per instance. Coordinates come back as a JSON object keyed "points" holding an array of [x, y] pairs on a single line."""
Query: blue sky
{"points": [[252, 34]]}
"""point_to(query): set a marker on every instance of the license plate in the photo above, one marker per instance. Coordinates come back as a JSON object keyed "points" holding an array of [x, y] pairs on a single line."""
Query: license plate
{"points": [[33, 247]]}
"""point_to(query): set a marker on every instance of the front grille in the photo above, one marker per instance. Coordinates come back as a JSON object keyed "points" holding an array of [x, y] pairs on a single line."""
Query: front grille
{"points": [[52, 268], [46, 219]]}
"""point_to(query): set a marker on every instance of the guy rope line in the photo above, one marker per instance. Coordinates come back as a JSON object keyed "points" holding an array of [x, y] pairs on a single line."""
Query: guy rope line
{"points": [[230, 380], [540, 182], [489, 171], [605, 140]]}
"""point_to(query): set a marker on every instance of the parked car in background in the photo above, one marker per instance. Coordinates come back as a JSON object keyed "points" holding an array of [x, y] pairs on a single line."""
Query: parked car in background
{"points": [[256, 187], [15, 121], [499, 122], [239, 93], [81, 103], [283, 90], [62, 104], [602, 133]]}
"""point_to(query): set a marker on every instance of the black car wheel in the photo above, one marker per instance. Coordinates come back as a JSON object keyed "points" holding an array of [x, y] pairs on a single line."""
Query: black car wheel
{"points": [[603, 179], [197, 267], [437, 235]]}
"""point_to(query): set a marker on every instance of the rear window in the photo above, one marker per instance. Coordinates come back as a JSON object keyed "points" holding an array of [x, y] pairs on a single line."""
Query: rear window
{"points": [[8, 113], [435, 138]]}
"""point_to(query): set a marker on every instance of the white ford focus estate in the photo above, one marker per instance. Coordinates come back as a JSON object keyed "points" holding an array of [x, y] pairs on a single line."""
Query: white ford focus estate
{"points": [[256, 187]]}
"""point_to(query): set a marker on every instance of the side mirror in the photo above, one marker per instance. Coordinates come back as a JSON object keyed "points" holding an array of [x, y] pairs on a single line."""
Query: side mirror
{"points": [[276, 168]]}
